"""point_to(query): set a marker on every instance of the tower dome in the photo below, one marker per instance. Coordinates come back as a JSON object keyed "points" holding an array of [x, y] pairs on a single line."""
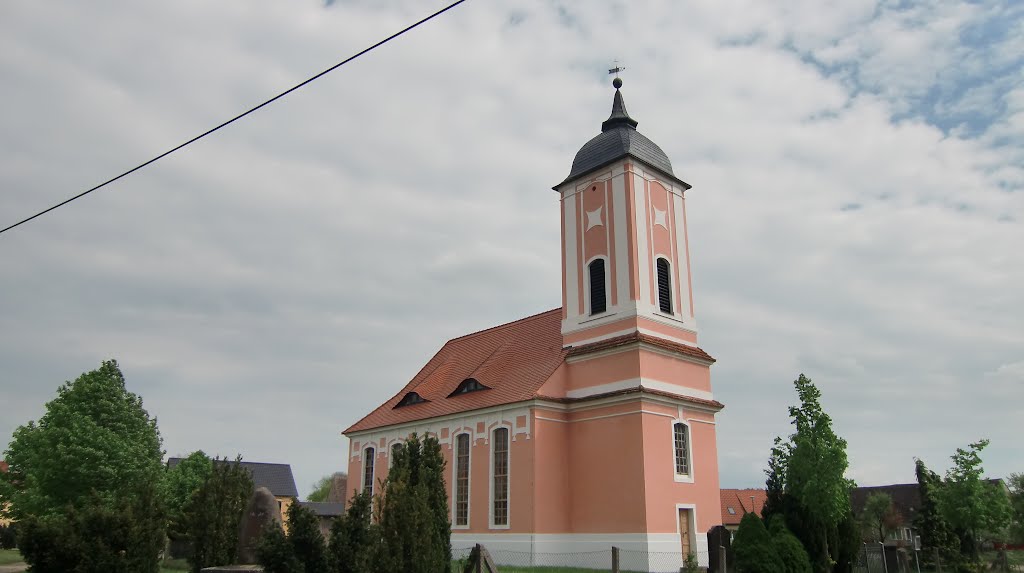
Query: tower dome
{"points": [[619, 138]]}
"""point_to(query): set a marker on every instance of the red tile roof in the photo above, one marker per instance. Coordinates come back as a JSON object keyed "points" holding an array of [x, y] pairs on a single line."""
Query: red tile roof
{"points": [[514, 360], [738, 500]]}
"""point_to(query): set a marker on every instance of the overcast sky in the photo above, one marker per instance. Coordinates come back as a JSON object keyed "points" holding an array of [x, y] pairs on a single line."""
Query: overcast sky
{"points": [[857, 211]]}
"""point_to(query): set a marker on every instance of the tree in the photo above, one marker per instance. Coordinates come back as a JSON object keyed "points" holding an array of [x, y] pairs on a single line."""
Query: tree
{"points": [[753, 547], [1016, 484], [177, 487], [83, 481], [302, 550], [971, 504], [321, 489], [213, 514], [807, 483], [791, 554], [880, 516], [414, 524], [354, 540], [95, 439], [936, 534]]}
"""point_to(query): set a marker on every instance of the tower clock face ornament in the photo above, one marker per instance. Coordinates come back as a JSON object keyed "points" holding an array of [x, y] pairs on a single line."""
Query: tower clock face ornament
{"points": [[540, 418]]}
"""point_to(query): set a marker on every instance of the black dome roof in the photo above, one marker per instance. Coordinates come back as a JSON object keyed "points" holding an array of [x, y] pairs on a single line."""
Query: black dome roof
{"points": [[619, 138]]}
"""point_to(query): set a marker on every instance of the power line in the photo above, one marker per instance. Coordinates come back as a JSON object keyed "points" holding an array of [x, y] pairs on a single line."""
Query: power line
{"points": [[239, 116]]}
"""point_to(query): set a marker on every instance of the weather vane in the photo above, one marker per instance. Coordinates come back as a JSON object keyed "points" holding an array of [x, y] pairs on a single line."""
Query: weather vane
{"points": [[617, 82]]}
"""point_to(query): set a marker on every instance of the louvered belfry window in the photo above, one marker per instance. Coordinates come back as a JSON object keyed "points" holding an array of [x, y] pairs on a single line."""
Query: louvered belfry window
{"points": [[664, 286], [598, 302], [500, 449], [462, 479]]}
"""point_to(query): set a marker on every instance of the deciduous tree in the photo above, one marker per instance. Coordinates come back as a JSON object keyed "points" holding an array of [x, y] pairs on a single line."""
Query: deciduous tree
{"points": [[936, 534], [95, 441], [970, 503], [879, 516], [179, 484], [807, 483], [1016, 484]]}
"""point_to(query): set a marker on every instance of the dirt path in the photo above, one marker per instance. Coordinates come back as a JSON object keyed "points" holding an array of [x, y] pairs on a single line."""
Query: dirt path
{"points": [[13, 568]]}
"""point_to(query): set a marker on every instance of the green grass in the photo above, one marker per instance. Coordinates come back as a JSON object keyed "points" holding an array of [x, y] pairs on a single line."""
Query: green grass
{"points": [[8, 556], [172, 565]]}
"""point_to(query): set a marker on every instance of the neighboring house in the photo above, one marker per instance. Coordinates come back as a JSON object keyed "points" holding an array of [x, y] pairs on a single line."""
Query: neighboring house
{"points": [[275, 477], [326, 512], [906, 501], [737, 502], [592, 424]]}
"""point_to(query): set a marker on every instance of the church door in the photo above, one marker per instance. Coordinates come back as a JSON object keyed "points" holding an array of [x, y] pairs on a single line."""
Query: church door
{"points": [[684, 531]]}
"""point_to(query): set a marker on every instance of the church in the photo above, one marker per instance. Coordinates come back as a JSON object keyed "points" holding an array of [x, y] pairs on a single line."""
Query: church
{"points": [[589, 425]]}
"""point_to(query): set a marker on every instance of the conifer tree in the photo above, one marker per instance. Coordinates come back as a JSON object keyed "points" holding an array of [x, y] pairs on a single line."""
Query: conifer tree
{"points": [[936, 534], [414, 525], [213, 514], [354, 540]]}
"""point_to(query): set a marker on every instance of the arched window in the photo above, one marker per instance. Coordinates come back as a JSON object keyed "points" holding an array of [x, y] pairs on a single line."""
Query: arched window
{"points": [[461, 480], [682, 448], [396, 448], [598, 302], [499, 448], [664, 286], [368, 458]]}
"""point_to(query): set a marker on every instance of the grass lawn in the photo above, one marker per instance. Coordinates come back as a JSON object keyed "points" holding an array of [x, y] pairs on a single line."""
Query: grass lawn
{"points": [[8, 556], [173, 565]]}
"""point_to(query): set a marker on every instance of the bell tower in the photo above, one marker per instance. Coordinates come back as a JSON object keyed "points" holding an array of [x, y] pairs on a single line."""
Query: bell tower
{"points": [[625, 252]]}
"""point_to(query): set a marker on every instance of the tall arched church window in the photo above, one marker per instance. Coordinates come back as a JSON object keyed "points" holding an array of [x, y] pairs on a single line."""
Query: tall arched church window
{"points": [[368, 458], [682, 447], [664, 286], [598, 300], [499, 447], [462, 480]]}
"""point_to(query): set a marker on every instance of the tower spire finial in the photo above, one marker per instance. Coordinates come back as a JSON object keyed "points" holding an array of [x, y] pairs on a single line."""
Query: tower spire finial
{"points": [[617, 82], [619, 116]]}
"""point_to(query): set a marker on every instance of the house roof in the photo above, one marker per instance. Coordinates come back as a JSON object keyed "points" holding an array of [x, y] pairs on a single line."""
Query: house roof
{"points": [[275, 477], [324, 508], [906, 498], [513, 360], [736, 502]]}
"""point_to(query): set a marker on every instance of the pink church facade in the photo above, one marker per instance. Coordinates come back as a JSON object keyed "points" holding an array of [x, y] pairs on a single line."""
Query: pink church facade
{"points": [[593, 424]]}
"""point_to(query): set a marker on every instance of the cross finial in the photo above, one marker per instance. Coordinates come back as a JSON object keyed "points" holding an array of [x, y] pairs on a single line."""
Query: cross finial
{"points": [[617, 82]]}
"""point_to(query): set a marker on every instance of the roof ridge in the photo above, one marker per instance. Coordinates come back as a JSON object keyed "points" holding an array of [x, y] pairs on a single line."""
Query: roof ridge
{"points": [[524, 319]]}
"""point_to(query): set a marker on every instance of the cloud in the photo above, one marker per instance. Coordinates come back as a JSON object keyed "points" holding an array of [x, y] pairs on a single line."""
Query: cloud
{"points": [[854, 212]]}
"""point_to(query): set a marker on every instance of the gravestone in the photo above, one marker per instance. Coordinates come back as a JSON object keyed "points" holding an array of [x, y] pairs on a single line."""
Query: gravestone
{"points": [[261, 513]]}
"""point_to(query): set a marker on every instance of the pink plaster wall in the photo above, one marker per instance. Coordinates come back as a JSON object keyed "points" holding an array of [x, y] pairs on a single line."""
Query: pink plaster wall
{"points": [[606, 473]]}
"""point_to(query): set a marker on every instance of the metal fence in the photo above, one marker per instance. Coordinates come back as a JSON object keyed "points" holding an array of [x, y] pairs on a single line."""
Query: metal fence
{"points": [[878, 558], [629, 560]]}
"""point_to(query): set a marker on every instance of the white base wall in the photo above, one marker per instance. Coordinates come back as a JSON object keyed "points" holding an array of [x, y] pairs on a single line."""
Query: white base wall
{"points": [[651, 552]]}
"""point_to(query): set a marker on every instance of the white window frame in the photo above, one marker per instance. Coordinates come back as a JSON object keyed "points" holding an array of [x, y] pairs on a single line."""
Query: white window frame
{"points": [[682, 478], [455, 478], [490, 481], [372, 457]]}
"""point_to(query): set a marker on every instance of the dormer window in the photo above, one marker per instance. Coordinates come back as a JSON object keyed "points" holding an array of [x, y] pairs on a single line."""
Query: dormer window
{"points": [[410, 399], [468, 385]]}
